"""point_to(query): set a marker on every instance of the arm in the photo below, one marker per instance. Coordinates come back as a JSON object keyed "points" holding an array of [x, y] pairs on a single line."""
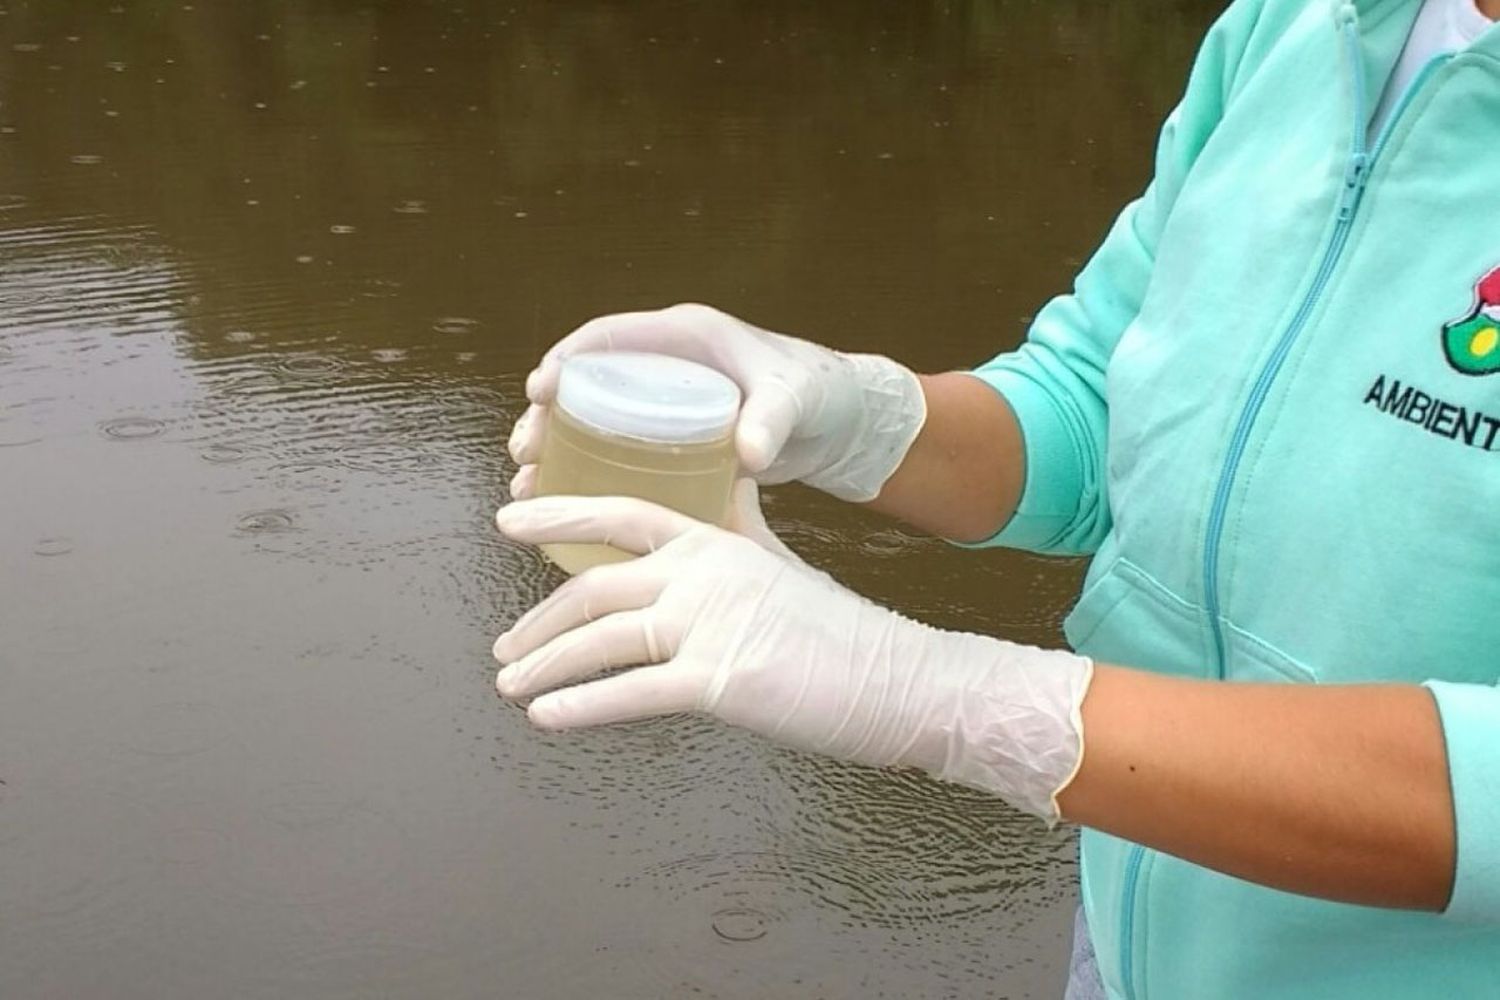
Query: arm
{"points": [[1384, 795], [962, 477], [1026, 468], [1350, 801]]}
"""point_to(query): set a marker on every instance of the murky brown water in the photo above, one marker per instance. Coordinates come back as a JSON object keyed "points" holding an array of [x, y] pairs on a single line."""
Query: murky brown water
{"points": [[270, 276]]}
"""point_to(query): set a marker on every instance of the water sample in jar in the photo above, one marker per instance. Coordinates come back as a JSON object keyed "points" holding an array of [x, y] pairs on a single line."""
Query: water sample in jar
{"points": [[641, 425]]}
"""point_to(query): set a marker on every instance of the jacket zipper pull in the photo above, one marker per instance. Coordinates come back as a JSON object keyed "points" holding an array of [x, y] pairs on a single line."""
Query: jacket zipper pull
{"points": [[1354, 186]]}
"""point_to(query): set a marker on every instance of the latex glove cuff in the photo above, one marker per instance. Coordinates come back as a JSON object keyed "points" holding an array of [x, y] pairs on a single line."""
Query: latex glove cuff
{"points": [[882, 402], [1017, 727]]}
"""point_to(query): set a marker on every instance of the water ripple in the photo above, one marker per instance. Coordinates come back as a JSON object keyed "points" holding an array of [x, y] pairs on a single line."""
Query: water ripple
{"points": [[310, 365], [266, 522], [454, 325], [381, 288], [740, 923], [224, 454], [132, 428]]}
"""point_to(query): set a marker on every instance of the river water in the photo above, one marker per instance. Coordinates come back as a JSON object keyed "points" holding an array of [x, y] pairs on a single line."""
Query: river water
{"points": [[271, 275]]}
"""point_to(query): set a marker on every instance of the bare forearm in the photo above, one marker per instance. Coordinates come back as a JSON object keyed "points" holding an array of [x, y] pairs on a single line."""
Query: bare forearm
{"points": [[962, 477], [1339, 792]]}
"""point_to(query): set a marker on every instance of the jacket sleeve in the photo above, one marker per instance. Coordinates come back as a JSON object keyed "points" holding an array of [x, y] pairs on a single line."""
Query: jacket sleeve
{"points": [[1054, 383], [1471, 728]]}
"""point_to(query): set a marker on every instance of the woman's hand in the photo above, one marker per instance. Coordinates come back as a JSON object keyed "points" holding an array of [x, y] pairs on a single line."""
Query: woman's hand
{"points": [[839, 422], [713, 621]]}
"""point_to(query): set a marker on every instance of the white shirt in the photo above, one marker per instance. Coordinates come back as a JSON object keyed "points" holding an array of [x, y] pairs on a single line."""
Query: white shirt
{"points": [[1442, 26]]}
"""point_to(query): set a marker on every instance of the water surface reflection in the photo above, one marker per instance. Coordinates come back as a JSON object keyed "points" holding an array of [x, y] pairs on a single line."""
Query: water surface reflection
{"points": [[271, 274]]}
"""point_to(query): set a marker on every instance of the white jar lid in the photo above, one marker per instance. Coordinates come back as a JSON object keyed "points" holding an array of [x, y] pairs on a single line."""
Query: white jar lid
{"points": [[652, 397]]}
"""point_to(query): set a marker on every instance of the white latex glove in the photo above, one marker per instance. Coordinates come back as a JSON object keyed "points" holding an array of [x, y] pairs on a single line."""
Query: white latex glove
{"points": [[713, 622], [839, 422]]}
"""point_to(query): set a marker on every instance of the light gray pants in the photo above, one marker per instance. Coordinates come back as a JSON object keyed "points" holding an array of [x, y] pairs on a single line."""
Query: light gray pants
{"points": [[1084, 981]]}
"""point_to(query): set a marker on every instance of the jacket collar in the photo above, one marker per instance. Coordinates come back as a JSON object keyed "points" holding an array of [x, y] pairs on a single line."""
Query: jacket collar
{"points": [[1358, 11]]}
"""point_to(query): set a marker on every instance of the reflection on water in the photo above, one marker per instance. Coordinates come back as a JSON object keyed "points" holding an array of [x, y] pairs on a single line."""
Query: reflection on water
{"points": [[271, 275]]}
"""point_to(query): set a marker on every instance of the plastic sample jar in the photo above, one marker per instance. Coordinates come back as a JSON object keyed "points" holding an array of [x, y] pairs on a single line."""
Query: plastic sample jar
{"points": [[641, 425]]}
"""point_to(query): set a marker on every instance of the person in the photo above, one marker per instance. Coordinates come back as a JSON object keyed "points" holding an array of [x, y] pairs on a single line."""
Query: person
{"points": [[1267, 410]]}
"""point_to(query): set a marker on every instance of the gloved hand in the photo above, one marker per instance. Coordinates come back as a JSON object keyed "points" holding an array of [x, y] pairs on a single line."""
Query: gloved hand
{"points": [[839, 422], [712, 621]]}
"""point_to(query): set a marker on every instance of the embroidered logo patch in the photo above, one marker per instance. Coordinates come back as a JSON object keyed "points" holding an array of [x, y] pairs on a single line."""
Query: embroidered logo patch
{"points": [[1472, 343]]}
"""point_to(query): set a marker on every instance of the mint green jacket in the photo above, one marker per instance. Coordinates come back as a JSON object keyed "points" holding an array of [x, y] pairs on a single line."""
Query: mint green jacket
{"points": [[1271, 410]]}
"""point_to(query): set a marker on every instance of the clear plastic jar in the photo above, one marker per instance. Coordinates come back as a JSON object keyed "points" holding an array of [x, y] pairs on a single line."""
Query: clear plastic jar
{"points": [[641, 425]]}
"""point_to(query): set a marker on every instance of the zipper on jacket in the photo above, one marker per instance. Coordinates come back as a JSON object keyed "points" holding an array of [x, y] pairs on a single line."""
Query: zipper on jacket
{"points": [[1133, 862], [1356, 175]]}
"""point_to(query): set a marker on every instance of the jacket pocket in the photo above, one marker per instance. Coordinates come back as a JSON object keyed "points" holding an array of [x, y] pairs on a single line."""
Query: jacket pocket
{"points": [[1126, 617], [1248, 657]]}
